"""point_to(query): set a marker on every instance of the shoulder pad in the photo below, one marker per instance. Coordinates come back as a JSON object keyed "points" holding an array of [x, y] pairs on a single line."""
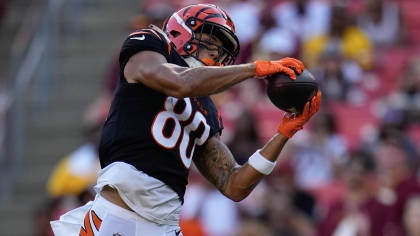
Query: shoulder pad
{"points": [[141, 35]]}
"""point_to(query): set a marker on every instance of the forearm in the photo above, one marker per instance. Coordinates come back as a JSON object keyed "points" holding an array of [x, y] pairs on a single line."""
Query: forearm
{"points": [[152, 69], [204, 81], [273, 147], [244, 179]]}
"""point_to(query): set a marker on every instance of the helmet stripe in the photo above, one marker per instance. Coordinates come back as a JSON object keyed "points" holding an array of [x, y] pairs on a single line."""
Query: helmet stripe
{"points": [[214, 16], [225, 14], [186, 10], [201, 10], [181, 22]]}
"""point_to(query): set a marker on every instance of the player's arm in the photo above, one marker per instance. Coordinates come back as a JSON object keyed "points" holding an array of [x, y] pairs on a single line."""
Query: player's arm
{"points": [[152, 69], [217, 164]]}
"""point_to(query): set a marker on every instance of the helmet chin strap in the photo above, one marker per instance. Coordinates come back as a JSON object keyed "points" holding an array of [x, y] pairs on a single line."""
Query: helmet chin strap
{"points": [[193, 62]]}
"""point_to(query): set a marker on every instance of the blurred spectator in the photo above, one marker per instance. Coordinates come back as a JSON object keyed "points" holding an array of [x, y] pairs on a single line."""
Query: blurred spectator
{"points": [[246, 15], [253, 228], [409, 91], [190, 222], [49, 210], [396, 175], [219, 214], [339, 77], [275, 43], [253, 207], [42, 221], [303, 19], [381, 22], [359, 212], [394, 133], [343, 35], [411, 22], [206, 211], [245, 138], [290, 210], [412, 216], [400, 110], [74, 174], [315, 160], [77, 172], [230, 109]]}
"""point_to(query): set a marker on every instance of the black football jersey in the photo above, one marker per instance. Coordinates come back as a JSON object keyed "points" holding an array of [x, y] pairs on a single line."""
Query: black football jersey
{"points": [[156, 133]]}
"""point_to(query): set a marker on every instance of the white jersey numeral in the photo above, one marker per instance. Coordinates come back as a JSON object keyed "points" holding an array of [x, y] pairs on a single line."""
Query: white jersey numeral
{"points": [[157, 130], [170, 115], [185, 142]]}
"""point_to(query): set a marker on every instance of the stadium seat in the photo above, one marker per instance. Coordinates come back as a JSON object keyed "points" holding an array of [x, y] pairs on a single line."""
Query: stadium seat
{"points": [[394, 61], [411, 18], [353, 121], [267, 119], [413, 132]]}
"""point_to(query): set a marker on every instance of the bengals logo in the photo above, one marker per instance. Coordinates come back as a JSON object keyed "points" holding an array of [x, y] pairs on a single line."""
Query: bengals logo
{"points": [[90, 218]]}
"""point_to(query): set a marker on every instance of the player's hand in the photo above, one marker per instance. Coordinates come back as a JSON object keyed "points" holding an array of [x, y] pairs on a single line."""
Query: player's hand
{"points": [[292, 123], [286, 65]]}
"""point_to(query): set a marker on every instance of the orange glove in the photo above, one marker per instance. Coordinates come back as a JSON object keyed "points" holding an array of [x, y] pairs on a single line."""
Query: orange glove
{"points": [[287, 65], [292, 123]]}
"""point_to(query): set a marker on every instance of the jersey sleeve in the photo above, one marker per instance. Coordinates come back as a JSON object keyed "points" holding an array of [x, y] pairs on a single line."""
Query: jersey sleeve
{"points": [[143, 40], [213, 117], [216, 124]]}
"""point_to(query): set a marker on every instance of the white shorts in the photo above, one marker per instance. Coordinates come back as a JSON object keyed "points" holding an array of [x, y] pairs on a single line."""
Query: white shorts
{"points": [[147, 196], [105, 218]]}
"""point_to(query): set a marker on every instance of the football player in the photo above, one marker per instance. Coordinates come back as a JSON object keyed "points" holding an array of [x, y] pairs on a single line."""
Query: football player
{"points": [[162, 119]]}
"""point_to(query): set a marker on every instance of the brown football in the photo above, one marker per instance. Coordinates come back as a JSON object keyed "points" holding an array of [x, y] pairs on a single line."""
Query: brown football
{"points": [[291, 95]]}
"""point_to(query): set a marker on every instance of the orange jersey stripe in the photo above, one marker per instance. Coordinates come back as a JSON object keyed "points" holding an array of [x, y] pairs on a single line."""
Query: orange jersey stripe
{"points": [[96, 220], [87, 229]]}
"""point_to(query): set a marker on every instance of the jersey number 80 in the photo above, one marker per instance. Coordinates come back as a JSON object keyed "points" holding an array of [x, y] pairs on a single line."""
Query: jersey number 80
{"points": [[163, 119]]}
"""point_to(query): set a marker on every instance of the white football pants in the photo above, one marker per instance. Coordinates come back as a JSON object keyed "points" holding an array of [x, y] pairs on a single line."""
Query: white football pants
{"points": [[103, 218]]}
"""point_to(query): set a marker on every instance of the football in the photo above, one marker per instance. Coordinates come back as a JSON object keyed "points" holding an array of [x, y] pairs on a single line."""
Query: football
{"points": [[291, 95]]}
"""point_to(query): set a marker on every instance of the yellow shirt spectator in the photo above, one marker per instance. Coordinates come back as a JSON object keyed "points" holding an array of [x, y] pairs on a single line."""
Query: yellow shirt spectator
{"points": [[353, 44]]}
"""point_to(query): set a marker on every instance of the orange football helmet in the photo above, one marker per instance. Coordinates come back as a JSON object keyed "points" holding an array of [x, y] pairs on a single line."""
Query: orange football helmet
{"points": [[185, 27]]}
